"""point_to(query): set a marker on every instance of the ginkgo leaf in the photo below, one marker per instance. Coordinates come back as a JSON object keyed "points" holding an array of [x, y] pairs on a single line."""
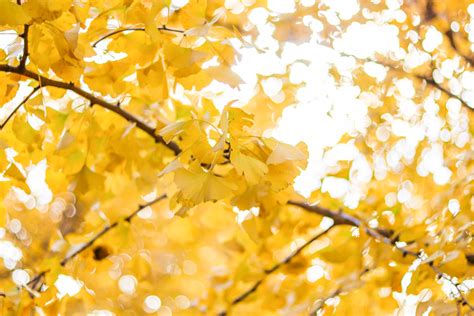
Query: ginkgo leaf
{"points": [[14, 172], [23, 130], [197, 185], [284, 152], [183, 60], [235, 121], [193, 13], [12, 13], [252, 168], [225, 75], [172, 166], [174, 129]]}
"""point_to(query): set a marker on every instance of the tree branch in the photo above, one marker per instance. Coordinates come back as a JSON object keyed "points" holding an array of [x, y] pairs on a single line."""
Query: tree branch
{"points": [[452, 41], [323, 301], [336, 292], [107, 228], [429, 80], [341, 218], [269, 271], [162, 28], [36, 283], [448, 278], [94, 100], [24, 57], [430, 14], [18, 107]]}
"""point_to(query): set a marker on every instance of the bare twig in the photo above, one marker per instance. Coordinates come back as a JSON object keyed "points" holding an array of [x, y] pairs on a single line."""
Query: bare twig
{"points": [[431, 14], [36, 283], [107, 229], [323, 301], [93, 100], [269, 271], [463, 300], [452, 41], [18, 107], [339, 290], [341, 218], [428, 79], [162, 28], [24, 57], [431, 82]]}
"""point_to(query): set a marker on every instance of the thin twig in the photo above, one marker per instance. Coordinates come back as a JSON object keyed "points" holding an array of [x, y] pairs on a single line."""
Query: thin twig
{"points": [[36, 283], [24, 57], [376, 233], [428, 79], [18, 107], [162, 28], [452, 41], [342, 218], [269, 271], [336, 292], [448, 278], [44, 82], [431, 14], [107, 229], [323, 301]]}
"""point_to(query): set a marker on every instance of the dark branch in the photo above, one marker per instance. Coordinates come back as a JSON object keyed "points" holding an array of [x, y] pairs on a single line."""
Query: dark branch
{"points": [[341, 218], [433, 83], [428, 79], [446, 277], [107, 229], [470, 258], [93, 100], [430, 13], [336, 292], [162, 28], [287, 260], [18, 107], [24, 57], [452, 41], [36, 283], [323, 301]]}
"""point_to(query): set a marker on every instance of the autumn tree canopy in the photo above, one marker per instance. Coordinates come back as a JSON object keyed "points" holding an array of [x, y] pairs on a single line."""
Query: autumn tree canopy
{"points": [[237, 157]]}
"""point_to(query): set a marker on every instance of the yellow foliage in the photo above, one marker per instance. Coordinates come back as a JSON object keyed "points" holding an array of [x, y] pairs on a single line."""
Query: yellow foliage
{"points": [[216, 157]]}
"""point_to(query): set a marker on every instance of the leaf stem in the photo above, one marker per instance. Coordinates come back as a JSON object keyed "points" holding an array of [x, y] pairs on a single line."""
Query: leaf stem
{"points": [[162, 28], [18, 107]]}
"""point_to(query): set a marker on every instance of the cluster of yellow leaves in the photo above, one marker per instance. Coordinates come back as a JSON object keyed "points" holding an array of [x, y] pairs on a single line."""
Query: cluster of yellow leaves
{"points": [[249, 170], [73, 173]]}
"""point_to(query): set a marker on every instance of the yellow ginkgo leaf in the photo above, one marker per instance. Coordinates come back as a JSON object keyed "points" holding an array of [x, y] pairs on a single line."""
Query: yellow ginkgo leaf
{"points": [[170, 131], [284, 152], [12, 14], [198, 185], [252, 168], [235, 121]]}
